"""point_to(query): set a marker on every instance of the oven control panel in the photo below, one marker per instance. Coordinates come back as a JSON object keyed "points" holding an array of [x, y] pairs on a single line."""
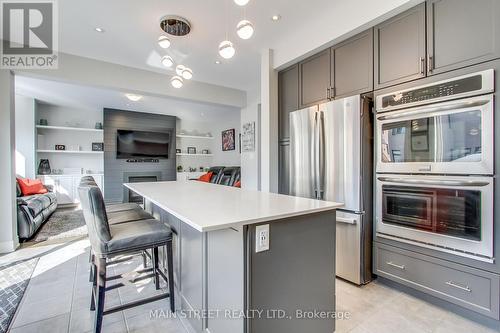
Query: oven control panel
{"points": [[467, 85]]}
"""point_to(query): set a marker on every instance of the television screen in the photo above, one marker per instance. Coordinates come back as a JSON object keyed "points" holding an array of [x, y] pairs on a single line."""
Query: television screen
{"points": [[144, 144]]}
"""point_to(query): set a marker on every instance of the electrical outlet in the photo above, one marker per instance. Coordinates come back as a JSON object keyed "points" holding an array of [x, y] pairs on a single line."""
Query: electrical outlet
{"points": [[262, 238]]}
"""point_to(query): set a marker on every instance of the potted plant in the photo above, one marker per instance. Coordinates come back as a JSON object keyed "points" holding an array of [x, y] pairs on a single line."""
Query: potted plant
{"points": [[179, 168]]}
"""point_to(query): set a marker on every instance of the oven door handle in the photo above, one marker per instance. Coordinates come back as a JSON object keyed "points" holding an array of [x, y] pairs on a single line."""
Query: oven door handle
{"points": [[467, 183], [448, 107]]}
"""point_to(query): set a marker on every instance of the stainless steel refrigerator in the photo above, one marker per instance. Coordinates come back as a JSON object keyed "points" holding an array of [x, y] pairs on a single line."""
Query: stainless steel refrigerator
{"points": [[331, 158]]}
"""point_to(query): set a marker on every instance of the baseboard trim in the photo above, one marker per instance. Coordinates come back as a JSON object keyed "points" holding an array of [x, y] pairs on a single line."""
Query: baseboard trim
{"points": [[8, 246]]}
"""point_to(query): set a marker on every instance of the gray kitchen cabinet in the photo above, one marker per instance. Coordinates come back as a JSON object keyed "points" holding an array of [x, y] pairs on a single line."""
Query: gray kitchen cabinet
{"points": [[461, 33], [400, 48], [314, 75], [288, 83], [284, 167], [353, 65], [471, 288]]}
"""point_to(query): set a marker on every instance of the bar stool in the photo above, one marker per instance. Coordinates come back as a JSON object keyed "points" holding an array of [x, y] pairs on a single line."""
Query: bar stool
{"points": [[108, 241]]}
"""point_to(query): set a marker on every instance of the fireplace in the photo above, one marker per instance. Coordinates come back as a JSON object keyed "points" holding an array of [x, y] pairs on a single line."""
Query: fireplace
{"points": [[138, 177]]}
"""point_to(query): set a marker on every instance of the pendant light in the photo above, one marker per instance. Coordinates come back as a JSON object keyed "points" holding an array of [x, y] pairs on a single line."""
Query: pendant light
{"points": [[244, 29], [167, 61], [164, 42], [241, 2], [179, 69], [176, 82], [187, 73], [226, 47]]}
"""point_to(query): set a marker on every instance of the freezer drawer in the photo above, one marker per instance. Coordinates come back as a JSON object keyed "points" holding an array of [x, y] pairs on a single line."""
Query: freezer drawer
{"points": [[468, 287]]}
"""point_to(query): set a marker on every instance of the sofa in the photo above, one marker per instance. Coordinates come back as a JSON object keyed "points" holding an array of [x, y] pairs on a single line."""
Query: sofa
{"points": [[33, 211], [225, 175]]}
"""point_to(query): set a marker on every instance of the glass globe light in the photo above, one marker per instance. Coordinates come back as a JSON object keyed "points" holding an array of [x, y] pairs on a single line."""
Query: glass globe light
{"points": [[226, 49], [176, 82], [244, 29]]}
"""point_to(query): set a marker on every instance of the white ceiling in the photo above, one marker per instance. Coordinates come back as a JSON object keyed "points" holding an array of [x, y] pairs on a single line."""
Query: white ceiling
{"points": [[132, 28], [84, 97]]}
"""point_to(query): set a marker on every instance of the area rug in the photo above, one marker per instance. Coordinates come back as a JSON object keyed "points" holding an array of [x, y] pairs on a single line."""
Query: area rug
{"points": [[14, 278], [63, 223]]}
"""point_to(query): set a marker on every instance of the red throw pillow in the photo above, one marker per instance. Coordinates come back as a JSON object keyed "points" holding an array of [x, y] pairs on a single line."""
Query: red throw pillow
{"points": [[237, 184], [206, 177], [31, 186]]}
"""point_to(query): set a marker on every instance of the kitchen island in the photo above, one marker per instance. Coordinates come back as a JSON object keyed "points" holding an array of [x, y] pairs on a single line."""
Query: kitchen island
{"points": [[248, 261]]}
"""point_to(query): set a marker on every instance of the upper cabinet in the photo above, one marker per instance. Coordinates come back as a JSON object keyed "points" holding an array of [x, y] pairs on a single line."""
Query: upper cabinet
{"points": [[288, 83], [352, 64], [461, 33], [400, 48], [314, 75]]}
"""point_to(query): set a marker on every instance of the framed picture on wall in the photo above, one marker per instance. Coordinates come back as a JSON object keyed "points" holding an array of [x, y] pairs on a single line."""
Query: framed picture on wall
{"points": [[228, 140]]}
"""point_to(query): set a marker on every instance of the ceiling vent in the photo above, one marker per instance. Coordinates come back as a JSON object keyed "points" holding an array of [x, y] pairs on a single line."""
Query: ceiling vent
{"points": [[175, 25]]}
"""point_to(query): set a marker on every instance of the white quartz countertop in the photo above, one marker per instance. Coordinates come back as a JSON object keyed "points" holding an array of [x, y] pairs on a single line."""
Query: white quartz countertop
{"points": [[208, 207]]}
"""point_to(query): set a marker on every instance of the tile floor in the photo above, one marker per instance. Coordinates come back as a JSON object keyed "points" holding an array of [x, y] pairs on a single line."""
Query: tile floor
{"points": [[57, 300]]}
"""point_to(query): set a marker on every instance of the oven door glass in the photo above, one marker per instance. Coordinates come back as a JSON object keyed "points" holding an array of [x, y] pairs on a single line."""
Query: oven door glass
{"points": [[451, 212], [454, 137]]}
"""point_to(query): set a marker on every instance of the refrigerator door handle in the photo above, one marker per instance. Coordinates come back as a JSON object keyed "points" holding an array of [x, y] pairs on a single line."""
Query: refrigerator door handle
{"points": [[314, 155], [321, 155]]}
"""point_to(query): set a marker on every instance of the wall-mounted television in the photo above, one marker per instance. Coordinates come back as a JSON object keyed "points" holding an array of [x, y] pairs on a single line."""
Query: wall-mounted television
{"points": [[142, 144]]}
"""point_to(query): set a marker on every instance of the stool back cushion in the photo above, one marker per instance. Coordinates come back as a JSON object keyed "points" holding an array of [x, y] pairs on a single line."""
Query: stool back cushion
{"points": [[87, 178], [94, 212]]}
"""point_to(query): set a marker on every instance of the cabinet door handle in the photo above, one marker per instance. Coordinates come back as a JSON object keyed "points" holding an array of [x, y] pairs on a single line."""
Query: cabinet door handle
{"points": [[430, 65], [332, 94], [422, 61], [328, 93], [458, 286], [401, 267]]}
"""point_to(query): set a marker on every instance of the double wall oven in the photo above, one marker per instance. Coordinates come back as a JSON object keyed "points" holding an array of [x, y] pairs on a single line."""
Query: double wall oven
{"points": [[435, 165]]}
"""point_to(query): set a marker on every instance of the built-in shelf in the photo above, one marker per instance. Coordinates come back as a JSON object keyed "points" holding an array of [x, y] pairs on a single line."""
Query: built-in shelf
{"points": [[71, 175], [194, 136], [66, 128], [186, 154], [68, 151]]}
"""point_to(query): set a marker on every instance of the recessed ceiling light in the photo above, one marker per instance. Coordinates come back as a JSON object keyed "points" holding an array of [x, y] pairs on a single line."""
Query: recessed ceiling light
{"points": [[241, 2], [217, 62], [133, 97], [276, 17], [98, 29]]}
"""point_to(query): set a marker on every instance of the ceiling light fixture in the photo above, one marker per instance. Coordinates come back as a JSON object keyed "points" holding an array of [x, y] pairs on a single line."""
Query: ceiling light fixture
{"points": [[187, 73], [176, 82], [276, 18], [164, 42], [133, 97], [217, 62], [167, 61], [241, 2], [226, 49], [179, 69], [244, 29], [98, 29]]}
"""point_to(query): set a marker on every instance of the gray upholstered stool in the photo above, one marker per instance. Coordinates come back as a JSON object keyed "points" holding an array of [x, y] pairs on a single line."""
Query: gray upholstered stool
{"points": [[108, 241]]}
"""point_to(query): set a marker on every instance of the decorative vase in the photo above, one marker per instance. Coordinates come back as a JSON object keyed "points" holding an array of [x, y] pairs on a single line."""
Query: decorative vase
{"points": [[44, 167]]}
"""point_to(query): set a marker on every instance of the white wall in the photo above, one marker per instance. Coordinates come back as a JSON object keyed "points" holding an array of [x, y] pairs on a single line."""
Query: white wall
{"points": [[95, 73], [250, 161], [214, 126], [25, 136], [8, 220], [334, 26]]}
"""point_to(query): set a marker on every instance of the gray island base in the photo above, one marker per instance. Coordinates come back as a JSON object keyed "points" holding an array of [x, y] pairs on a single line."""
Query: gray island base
{"points": [[223, 285]]}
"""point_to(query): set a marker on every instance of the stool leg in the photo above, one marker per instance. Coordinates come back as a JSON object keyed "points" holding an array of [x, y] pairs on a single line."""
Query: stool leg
{"points": [[155, 268], [93, 291], [101, 289], [91, 262], [170, 267], [144, 259]]}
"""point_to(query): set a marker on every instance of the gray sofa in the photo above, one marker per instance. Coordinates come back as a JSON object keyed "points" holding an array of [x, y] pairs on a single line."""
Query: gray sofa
{"points": [[33, 211]]}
